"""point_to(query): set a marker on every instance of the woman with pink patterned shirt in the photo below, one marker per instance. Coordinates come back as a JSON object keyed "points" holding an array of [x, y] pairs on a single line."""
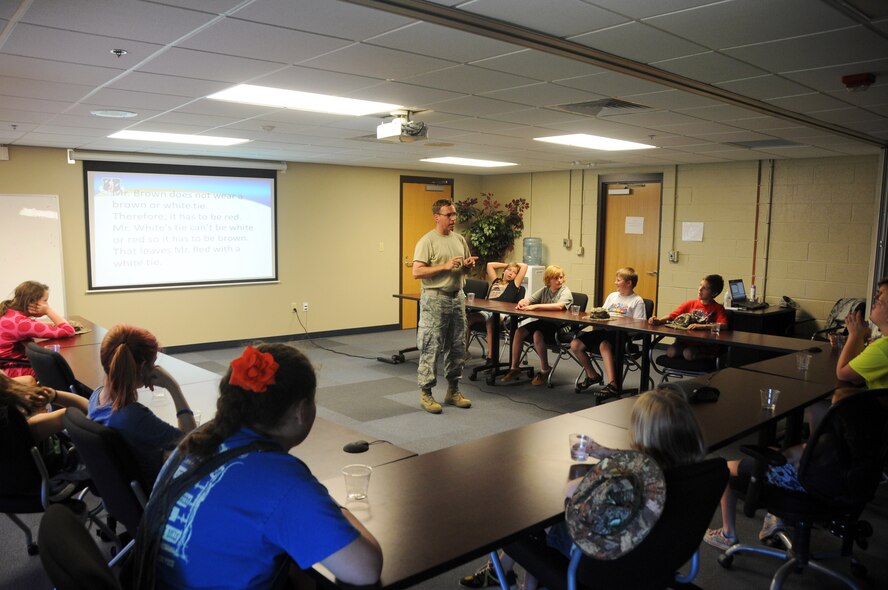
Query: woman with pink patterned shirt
{"points": [[19, 325]]}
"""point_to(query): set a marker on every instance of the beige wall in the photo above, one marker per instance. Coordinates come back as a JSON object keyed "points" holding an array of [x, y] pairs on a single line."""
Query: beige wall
{"points": [[331, 220], [818, 248]]}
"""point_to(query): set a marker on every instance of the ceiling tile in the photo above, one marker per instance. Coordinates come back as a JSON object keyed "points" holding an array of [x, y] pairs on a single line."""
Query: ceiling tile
{"points": [[165, 84], [21, 87], [728, 24], [82, 48], [762, 87], [441, 42], [538, 65], [188, 63], [469, 79], [623, 41], [709, 67], [377, 62], [561, 18], [42, 69], [540, 95]]}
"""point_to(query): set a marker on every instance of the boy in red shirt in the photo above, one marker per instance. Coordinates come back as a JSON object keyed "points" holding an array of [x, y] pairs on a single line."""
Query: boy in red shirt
{"points": [[705, 312]]}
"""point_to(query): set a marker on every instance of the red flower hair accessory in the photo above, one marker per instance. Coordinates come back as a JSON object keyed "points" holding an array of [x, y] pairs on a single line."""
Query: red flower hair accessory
{"points": [[253, 370]]}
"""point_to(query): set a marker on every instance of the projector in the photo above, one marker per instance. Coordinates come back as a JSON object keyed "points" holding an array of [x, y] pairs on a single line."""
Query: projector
{"points": [[401, 130]]}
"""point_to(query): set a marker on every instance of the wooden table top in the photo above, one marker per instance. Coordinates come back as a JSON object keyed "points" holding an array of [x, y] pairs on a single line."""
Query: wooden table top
{"points": [[821, 369], [94, 335], [438, 510]]}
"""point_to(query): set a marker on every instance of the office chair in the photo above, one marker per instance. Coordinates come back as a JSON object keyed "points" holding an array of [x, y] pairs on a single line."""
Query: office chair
{"points": [[692, 495], [680, 367], [115, 472], [70, 557], [480, 289], [561, 346], [52, 370], [835, 321], [631, 355], [840, 469], [506, 329], [25, 484]]}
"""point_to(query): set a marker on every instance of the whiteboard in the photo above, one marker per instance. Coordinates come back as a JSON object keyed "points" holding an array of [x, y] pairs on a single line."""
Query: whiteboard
{"points": [[31, 245]]}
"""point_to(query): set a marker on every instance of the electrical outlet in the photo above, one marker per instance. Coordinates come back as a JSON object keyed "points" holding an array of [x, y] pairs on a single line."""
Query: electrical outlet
{"points": [[295, 307], [673, 256], [305, 306], [566, 242], [581, 251]]}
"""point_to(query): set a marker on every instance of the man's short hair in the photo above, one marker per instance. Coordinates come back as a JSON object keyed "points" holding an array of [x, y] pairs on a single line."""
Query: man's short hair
{"points": [[716, 284], [627, 273], [436, 207]]}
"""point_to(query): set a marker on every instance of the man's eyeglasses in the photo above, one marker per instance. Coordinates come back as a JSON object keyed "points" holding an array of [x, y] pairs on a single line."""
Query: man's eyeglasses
{"points": [[448, 215]]}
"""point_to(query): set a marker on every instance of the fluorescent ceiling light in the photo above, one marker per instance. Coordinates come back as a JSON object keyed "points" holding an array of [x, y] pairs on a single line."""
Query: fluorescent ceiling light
{"points": [[468, 162], [114, 114], [595, 142], [177, 138], [302, 101]]}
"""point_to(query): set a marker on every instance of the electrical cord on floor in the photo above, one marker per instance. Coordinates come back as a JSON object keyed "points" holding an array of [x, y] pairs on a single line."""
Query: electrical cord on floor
{"points": [[316, 345], [517, 401]]}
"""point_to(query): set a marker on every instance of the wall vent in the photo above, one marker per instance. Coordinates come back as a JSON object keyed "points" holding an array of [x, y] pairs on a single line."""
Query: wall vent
{"points": [[606, 107]]}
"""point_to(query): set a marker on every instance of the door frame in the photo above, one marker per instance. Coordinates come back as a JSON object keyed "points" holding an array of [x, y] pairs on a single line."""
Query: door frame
{"points": [[413, 180], [628, 178]]}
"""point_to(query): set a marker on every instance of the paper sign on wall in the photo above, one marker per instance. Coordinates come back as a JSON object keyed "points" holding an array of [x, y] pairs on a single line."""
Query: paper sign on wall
{"points": [[634, 225], [692, 231]]}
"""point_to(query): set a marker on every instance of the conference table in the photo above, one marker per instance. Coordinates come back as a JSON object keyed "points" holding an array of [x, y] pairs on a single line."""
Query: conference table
{"points": [[322, 451], [738, 412], [438, 510]]}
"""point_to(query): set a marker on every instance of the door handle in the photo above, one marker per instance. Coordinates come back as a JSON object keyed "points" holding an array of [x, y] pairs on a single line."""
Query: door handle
{"points": [[652, 273], [408, 264]]}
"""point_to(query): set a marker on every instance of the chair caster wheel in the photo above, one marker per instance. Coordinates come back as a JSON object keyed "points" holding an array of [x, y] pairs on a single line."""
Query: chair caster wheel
{"points": [[491, 381], [33, 549], [725, 560]]}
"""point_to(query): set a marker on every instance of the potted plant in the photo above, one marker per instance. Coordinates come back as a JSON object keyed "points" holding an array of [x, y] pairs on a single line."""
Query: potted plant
{"points": [[490, 228]]}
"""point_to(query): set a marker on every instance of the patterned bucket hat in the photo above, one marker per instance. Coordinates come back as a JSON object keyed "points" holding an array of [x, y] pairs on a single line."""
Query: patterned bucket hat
{"points": [[616, 505]]}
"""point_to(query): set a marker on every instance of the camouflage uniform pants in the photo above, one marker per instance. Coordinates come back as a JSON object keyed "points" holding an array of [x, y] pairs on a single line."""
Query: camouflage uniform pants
{"points": [[442, 329]]}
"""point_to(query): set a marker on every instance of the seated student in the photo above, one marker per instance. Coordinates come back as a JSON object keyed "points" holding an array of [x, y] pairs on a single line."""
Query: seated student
{"points": [[34, 400], [19, 325], [859, 362], [704, 311], [555, 296], [128, 355], [661, 425], [784, 476], [502, 289], [233, 527], [622, 302]]}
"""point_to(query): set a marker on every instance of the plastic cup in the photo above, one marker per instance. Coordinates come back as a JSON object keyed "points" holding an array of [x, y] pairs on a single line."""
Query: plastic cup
{"points": [[803, 360], [357, 482], [840, 341], [769, 398], [55, 347], [715, 329], [574, 310], [470, 298], [197, 416], [578, 446]]}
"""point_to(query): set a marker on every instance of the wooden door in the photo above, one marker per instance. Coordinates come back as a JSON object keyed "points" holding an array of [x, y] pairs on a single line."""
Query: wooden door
{"points": [[631, 235], [417, 197]]}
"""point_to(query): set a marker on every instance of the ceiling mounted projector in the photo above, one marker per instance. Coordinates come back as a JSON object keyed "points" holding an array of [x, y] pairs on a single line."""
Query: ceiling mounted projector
{"points": [[401, 129]]}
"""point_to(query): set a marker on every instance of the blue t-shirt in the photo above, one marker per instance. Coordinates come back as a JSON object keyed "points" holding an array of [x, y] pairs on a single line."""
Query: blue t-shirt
{"points": [[146, 435], [229, 530]]}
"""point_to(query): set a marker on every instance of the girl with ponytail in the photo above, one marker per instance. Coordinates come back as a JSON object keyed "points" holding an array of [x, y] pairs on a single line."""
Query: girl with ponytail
{"points": [[128, 355]]}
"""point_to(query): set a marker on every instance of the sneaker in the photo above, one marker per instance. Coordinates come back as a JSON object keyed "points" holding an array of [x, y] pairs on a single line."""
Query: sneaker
{"points": [[541, 377], [718, 539], [512, 374], [486, 576], [429, 404], [770, 527], [455, 398], [588, 382]]}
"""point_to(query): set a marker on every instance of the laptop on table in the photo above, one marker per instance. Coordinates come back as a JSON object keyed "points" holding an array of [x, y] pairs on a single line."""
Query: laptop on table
{"points": [[739, 298]]}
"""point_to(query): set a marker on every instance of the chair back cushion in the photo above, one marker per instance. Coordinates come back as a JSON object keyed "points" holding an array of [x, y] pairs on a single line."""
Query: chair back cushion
{"points": [[71, 558], [51, 368], [843, 459], [19, 478], [110, 464], [479, 288], [580, 299]]}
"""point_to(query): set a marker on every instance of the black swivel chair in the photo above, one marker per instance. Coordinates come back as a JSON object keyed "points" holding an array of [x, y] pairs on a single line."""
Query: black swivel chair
{"points": [[115, 473], [25, 484], [561, 346], [69, 555], [841, 467], [680, 367], [692, 495], [52, 370]]}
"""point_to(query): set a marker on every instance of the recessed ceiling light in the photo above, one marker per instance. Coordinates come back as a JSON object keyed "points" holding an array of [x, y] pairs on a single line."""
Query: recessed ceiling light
{"points": [[111, 114], [302, 101], [468, 162], [177, 138], [595, 142]]}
